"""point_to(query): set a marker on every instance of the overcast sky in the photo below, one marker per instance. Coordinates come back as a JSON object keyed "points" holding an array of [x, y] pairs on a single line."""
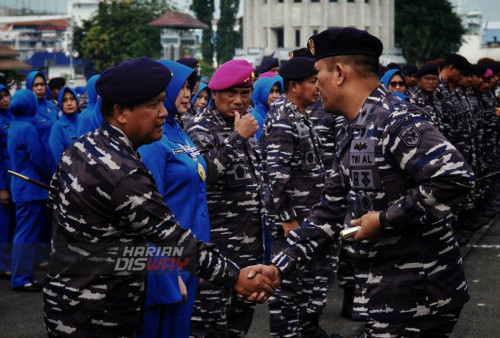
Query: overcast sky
{"points": [[489, 8]]}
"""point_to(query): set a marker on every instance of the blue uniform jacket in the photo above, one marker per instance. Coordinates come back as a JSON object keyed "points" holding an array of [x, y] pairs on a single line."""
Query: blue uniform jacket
{"points": [[261, 89], [177, 179], [46, 113], [5, 121], [27, 155], [63, 131], [90, 118]]}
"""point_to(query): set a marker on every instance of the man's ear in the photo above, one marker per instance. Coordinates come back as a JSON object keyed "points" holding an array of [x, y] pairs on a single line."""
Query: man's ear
{"points": [[340, 74], [120, 113]]}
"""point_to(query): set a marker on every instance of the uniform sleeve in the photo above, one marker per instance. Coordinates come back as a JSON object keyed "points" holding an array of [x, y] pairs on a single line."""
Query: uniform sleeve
{"points": [[154, 159], [441, 175], [57, 142], [217, 151], [138, 203], [278, 146], [39, 160], [323, 225]]}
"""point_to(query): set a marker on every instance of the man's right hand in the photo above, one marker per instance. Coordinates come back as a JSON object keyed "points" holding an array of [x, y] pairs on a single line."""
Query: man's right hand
{"points": [[289, 226], [246, 126]]}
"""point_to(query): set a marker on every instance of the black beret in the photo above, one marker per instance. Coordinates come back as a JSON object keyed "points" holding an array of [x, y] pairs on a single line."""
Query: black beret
{"points": [[56, 82], [344, 41], [300, 52], [190, 62], [133, 81], [297, 68], [427, 69], [479, 69], [495, 67], [458, 61], [410, 69], [267, 64]]}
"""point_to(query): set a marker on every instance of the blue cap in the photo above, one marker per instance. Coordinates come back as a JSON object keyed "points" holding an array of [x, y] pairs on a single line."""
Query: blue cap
{"points": [[133, 81]]}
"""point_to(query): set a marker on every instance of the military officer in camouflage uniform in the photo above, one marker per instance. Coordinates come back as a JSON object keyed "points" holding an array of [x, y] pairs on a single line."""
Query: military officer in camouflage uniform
{"points": [[225, 135], [425, 96], [105, 200], [295, 176], [398, 179]]}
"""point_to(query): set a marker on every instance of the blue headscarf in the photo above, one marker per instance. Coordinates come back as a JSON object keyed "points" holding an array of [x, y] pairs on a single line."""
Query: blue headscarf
{"points": [[261, 89], [386, 78], [181, 74]]}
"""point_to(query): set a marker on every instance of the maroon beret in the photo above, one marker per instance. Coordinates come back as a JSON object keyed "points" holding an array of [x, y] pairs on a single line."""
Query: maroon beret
{"points": [[233, 73]]}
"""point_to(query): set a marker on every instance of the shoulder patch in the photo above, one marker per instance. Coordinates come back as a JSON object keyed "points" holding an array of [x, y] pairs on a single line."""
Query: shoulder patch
{"points": [[399, 122], [410, 135]]}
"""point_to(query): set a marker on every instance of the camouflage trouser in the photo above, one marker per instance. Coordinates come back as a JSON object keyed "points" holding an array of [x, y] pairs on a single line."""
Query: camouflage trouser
{"points": [[218, 312], [439, 325], [345, 275], [303, 292]]}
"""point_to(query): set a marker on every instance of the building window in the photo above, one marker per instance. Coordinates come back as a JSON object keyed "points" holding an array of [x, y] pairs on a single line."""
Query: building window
{"points": [[314, 0], [315, 31], [280, 0], [297, 0], [297, 37], [279, 37], [350, 0], [333, 0], [367, 1]]}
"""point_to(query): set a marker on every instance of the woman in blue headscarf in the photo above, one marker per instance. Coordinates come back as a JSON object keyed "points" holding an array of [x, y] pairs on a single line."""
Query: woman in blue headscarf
{"points": [[63, 131], [395, 82], [265, 91], [179, 172], [28, 158], [90, 118], [202, 98], [46, 111], [7, 210]]}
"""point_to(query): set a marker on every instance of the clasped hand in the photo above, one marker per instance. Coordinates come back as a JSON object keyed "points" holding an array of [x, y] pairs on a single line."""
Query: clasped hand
{"points": [[257, 282]]}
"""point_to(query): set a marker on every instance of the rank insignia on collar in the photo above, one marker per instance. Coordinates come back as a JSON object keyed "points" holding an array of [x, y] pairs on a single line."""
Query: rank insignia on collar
{"points": [[310, 45]]}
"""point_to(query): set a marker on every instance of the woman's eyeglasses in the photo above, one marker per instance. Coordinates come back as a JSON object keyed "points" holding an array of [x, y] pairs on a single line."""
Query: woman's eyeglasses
{"points": [[397, 83]]}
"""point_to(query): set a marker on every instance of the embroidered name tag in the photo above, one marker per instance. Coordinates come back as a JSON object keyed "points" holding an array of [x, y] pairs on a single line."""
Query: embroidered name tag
{"points": [[362, 152], [179, 151]]}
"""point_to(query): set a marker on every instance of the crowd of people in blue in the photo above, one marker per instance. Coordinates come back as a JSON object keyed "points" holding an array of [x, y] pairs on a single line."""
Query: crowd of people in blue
{"points": [[268, 165]]}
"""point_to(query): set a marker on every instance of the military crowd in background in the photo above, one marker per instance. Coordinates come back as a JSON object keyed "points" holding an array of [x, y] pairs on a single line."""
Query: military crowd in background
{"points": [[261, 157]]}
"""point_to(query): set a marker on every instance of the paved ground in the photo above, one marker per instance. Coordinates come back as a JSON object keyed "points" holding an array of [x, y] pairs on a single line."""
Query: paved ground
{"points": [[21, 313]]}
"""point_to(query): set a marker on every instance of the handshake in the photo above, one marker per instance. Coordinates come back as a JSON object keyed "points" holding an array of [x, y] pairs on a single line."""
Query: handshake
{"points": [[257, 282]]}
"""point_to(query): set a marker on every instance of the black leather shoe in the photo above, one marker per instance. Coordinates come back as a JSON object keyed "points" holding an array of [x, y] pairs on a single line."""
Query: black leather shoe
{"points": [[30, 287], [5, 275]]}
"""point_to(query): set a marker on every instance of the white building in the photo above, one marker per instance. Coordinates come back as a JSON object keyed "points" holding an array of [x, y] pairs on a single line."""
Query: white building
{"points": [[288, 24], [480, 39]]}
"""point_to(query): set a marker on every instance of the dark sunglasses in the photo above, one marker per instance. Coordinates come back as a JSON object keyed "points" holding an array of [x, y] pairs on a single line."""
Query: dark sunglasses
{"points": [[397, 83]]}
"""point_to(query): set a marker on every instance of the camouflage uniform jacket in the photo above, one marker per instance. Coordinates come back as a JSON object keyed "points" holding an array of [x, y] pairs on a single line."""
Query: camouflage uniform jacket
{"points": [[234, 186], [430, 104], [326, 125], [106, 197], [391, 157], [293, 163]]}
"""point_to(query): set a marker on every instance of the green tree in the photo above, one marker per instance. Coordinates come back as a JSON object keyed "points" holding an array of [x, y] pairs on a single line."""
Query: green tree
{"points": [[227, 39], [120, 31], [426, 29], [204, 10]]}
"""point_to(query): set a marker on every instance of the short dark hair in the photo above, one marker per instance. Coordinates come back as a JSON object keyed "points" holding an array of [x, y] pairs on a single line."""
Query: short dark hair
{"points": [[364, 65], [107, 108]]}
